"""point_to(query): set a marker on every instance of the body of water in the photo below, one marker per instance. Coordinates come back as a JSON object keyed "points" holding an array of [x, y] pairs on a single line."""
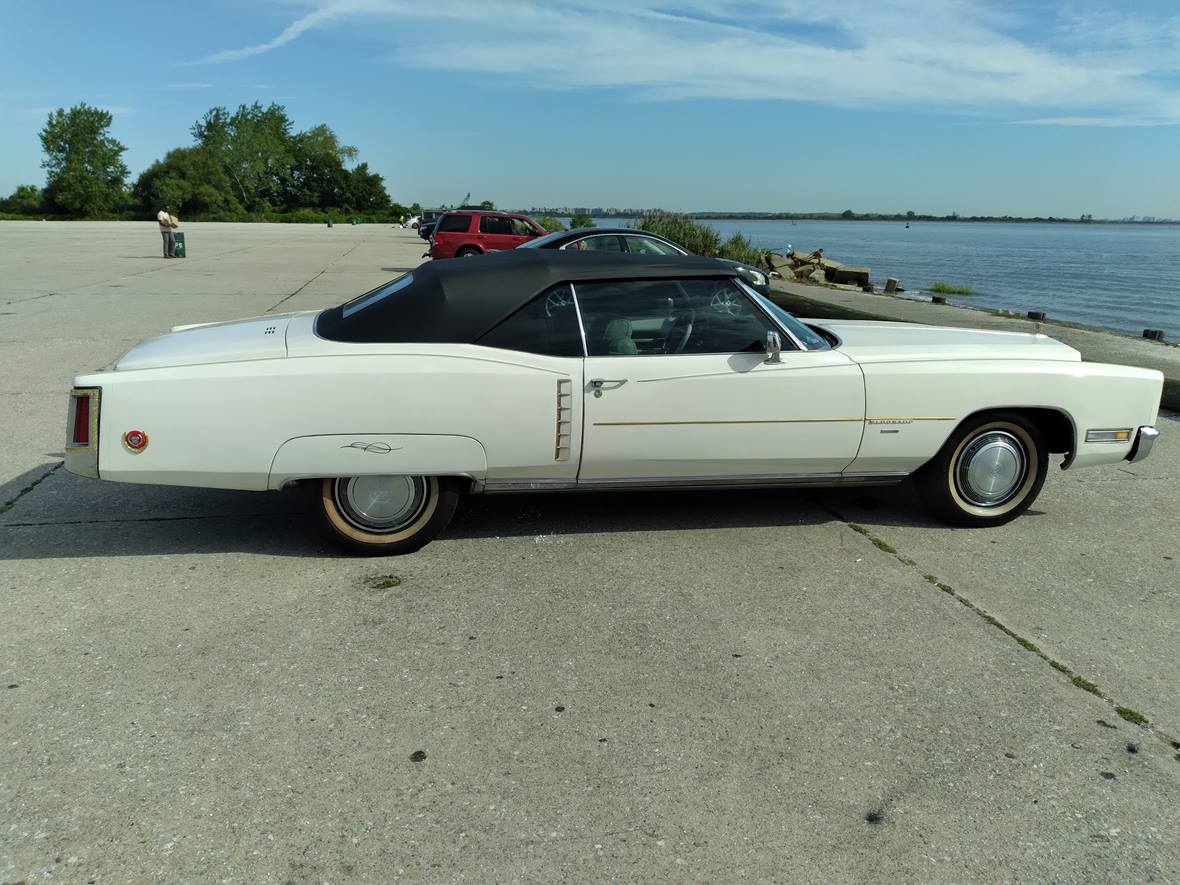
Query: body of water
{"points": [[1113, 276]]}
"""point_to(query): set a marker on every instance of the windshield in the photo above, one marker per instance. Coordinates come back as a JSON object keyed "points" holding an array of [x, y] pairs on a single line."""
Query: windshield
{"points": [[811, 339], [372, 297], [543, 242]]}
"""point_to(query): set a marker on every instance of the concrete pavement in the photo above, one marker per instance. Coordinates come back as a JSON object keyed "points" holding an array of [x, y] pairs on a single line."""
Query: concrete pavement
{"points": [[760, 685]]}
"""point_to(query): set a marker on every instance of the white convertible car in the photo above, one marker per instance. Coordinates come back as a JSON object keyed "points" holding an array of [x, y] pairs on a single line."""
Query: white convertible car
{"points": [[534, 370]]}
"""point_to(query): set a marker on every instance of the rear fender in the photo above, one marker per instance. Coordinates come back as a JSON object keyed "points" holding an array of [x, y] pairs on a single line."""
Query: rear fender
{"points": [[377, 454]]}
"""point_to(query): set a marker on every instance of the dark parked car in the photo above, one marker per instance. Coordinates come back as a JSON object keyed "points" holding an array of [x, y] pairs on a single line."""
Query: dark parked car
{"points": [[427, 221], [637, 242]]}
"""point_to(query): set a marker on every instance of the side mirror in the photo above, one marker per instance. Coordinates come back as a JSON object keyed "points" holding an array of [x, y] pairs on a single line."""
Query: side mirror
{"points": [[774, 346]]}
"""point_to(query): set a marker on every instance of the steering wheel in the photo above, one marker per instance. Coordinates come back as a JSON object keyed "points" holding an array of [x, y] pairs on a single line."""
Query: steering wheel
{"points": [[679, 332], [557, 300]]}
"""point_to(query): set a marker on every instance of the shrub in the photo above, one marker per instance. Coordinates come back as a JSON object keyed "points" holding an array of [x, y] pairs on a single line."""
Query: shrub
{"points": [[947, 289], [550, 223], [696, 238]]}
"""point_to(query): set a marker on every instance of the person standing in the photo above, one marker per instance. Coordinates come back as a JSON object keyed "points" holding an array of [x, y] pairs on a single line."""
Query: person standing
{"points": [[168, 223]]}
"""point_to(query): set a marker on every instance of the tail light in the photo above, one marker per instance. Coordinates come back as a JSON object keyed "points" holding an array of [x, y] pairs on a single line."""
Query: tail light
{"points": [[83, 421]]}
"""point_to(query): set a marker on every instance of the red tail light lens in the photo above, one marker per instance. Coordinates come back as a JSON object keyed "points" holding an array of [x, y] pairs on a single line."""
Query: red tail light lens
{"points": [[80, 434]]}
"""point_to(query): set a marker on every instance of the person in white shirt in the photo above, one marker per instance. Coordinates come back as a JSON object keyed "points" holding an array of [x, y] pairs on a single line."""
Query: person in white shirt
{"points": [[168, 223]]}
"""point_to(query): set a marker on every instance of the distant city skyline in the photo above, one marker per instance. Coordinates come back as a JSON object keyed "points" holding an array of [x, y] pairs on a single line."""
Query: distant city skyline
{"points": [[931, 106]]}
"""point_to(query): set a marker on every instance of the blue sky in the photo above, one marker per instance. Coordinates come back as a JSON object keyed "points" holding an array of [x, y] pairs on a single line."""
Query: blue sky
{"points": [[875, 105]]}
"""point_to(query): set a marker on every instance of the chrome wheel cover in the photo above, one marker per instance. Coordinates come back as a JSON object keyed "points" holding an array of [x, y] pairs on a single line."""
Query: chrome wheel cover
{"points": [[380, 504], [991, 469]]}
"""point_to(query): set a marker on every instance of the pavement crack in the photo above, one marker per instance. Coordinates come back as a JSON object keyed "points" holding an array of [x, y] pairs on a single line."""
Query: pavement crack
{"points": [[1078, 681], [326, 268], [8, 505]]}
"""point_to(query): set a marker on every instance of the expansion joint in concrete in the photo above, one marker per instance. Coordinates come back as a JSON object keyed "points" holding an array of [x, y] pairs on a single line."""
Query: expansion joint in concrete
{"points": [[8, 505], [1078, 681]]}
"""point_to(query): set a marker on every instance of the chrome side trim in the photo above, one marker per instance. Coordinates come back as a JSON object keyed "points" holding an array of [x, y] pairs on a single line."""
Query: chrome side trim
{"points": [[818, 480], [1144, 439], [527, 485]]}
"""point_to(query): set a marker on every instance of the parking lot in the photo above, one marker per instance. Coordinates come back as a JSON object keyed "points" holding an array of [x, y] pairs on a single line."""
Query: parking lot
{"points": [[724, 686]]}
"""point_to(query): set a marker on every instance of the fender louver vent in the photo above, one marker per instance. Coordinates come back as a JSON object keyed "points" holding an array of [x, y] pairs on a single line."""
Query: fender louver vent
{"points": [[565, 417]]}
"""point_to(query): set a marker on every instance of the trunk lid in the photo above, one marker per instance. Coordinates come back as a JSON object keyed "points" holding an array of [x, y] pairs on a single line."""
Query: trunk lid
{"points": [[257, 338]]}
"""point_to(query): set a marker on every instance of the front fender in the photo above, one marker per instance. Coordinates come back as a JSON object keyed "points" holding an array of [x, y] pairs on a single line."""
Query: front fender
{"points": [[377, 454]]}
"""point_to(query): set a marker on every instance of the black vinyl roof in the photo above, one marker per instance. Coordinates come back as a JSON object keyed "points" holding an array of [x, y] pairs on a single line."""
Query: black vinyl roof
{"points": [[457, 300]]}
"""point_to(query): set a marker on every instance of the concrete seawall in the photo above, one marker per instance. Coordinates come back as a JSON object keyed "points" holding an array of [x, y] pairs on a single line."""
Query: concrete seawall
{"points": [[1095, 346]]}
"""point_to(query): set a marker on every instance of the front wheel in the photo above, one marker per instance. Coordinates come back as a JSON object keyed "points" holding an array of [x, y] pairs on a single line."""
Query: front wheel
{"points": [[386, 515], [988, 473]]}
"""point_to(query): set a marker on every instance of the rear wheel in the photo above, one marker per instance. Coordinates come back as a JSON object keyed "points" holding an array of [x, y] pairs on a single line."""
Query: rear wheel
{"points": [[467, 252], [386, 515], [988, 473]]}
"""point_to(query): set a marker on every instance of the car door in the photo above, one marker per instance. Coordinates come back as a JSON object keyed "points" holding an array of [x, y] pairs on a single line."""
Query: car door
{"points": [[679, 388], [495, 233]]}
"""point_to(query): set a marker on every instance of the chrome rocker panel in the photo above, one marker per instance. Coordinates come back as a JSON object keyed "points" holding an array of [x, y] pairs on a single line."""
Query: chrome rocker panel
{"points": [[802, 480]]}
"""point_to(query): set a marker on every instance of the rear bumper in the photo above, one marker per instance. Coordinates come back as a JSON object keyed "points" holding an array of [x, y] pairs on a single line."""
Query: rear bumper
{"points": [[1145, 438]]}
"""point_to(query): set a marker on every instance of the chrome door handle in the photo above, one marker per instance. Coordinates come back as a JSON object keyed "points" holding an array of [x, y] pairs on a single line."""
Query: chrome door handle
{"points": [[599, 382]]}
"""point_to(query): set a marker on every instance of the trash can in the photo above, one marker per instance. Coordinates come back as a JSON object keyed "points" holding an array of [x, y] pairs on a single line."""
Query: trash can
{"points": [[179, 244]]}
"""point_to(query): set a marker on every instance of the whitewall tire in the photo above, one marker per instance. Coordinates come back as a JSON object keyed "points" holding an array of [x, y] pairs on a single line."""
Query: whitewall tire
{"points": [[386, 515], [988, 473]]}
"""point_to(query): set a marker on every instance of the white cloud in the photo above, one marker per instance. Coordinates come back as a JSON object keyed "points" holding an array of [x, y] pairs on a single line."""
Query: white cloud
{"points": [[970, 57]]}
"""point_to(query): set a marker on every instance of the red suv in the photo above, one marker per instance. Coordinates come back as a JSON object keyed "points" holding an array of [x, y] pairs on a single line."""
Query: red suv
{"points": [[463, 234]]}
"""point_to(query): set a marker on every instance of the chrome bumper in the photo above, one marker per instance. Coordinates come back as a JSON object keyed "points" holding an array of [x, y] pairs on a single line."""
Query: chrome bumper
{"points": [[1144, 440]]}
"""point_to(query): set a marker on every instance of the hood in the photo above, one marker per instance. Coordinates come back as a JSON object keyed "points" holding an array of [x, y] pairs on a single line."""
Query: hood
{"points": [[258, 338], [879, 342]]}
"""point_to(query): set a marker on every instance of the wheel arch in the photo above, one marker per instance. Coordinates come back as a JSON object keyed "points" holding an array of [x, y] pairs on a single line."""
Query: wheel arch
{"points": [[1057, 426]]}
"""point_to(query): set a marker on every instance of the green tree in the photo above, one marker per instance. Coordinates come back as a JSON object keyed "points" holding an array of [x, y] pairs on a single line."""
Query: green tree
{"points": [[318, 177], [254, 148], [487, 204], [365, 191], [25, 200], [581, 219], [190, 180], [85, 174], [847, 213], [550, 223]]}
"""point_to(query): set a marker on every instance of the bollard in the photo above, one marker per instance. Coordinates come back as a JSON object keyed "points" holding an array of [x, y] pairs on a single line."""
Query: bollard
{"points": [[891, 285], [1037, 315], [329, 222], [938, 299], [1153, 334]]}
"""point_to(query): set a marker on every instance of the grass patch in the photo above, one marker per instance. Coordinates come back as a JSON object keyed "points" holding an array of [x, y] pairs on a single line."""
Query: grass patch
{"points": [[1132, 716], [383, 582], [948, 289], [945, 588], [1087, 685], [1058, 666], [881, 545]]}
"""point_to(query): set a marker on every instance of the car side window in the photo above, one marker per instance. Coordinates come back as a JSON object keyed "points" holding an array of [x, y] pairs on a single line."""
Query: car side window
{"points": [[520, 227], [651, 317], [495, 224], [595, 243], [454, 224], [647, 246], [546, 325]]}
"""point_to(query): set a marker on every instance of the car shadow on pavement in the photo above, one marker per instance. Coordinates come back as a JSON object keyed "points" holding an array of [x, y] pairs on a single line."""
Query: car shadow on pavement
{"points": [[94, 520], [51, 514]]}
